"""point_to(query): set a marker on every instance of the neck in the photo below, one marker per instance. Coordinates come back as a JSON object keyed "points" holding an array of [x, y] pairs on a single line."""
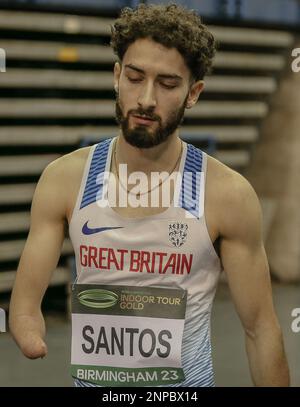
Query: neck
{"points": [[158, 158]]}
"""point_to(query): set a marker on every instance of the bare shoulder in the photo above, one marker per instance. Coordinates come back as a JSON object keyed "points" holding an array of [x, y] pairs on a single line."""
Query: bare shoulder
{"points": [[232, 198], [66, 164], [227, 183], [62, 178]]}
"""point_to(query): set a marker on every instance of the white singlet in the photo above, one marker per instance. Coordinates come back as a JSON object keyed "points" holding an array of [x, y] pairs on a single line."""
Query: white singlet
{"points": [[146, 268]]}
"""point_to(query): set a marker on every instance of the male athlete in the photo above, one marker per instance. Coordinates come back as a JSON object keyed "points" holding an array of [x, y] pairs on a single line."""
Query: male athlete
{"points": [[147, 274]]}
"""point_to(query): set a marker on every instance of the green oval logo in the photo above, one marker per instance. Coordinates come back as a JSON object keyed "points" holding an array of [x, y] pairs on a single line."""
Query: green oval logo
{"points": [[98, 298]]}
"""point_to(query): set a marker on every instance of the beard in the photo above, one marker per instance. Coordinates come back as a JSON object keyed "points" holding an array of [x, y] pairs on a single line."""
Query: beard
{"points": [[141, 136]]}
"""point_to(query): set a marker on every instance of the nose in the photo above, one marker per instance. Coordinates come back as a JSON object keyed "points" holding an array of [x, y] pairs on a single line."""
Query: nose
{"points": [[147, 99]]}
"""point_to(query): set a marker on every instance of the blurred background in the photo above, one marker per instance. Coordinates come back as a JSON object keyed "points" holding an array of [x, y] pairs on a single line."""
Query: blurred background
{"points": [[56, 93]]}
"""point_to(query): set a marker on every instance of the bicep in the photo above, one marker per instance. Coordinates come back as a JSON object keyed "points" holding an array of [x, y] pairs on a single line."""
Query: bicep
{"points": [[43, 245], [249, 281], [245, 262]]}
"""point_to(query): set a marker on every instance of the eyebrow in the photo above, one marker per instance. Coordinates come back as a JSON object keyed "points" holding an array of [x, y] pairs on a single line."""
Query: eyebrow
{"points": [[164, 76]]}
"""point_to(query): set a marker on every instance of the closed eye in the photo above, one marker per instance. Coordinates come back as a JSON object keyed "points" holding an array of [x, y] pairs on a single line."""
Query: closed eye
{"points": [[134, 80], [137, 80], [168, 86]]}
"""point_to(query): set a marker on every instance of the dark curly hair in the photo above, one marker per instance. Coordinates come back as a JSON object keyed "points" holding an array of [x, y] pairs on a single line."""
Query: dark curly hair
{"points": [[170, 25]]}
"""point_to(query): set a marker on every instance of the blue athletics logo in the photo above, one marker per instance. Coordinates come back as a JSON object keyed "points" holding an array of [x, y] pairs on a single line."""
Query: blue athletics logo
{"points": [[86, 230]]}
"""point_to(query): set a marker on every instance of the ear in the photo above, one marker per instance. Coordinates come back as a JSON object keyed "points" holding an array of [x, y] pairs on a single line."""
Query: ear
{"points": [[194, 93], [117, 73]]}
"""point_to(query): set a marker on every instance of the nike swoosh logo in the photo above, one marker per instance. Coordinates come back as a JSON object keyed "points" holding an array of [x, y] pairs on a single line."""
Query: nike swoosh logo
{"points": [[88, 231]]}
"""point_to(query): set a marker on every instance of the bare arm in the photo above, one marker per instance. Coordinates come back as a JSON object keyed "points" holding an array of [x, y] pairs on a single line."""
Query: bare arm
{"points": [[245, 263], [38, 261]]}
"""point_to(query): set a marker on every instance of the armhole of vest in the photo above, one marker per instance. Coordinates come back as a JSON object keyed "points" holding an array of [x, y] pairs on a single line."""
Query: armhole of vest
{"points": [[202, 185], [83, 181], [202, 202]]}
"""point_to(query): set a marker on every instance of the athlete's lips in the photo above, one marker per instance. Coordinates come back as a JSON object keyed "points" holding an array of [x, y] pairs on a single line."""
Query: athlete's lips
{"points": [[143, 120]]}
